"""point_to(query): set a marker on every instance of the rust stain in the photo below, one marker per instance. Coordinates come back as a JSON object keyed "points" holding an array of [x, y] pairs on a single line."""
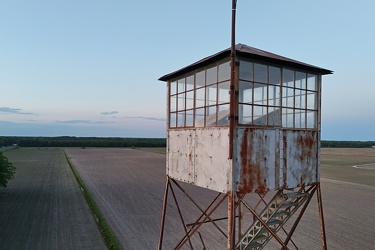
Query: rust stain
{"points": [[306, 144], [284, 160], [251, 172], [244, 185]]}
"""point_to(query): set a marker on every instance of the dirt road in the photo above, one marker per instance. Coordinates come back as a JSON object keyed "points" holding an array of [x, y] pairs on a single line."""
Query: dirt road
{"points": [[43, 208], [128, 186]]}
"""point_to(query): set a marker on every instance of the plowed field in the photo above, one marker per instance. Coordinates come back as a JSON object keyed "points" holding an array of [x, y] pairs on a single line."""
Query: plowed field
{"points": [[128, 186], [43, 207]]}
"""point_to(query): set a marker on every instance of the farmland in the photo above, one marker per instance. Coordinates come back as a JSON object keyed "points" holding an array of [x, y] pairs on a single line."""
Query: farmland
{"points": [[43, 208], [351, 165], [128, 187]]}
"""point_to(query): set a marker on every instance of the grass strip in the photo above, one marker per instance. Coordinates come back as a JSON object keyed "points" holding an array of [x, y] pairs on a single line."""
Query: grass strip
{"points": [[109, 238]]}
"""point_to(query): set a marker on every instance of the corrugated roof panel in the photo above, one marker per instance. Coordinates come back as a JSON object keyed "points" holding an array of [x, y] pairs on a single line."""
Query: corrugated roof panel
{"points": [[248, 52]]}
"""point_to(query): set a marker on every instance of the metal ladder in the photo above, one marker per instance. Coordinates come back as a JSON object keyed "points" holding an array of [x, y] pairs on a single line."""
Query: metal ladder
{"points": [[277, 212]]}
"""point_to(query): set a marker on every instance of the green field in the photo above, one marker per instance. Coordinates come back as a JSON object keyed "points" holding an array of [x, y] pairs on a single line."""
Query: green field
{"points": [[155, 150]]}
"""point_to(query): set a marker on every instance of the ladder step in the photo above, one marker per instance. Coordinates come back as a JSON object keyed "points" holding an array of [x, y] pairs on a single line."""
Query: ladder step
{"points": [[274, 222], [260, 237], [295, 195], [289, 204], [280, 213], [253, 245]]}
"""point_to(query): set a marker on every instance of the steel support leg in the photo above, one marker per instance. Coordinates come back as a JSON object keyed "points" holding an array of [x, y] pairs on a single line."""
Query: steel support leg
{"points": [[322, 227], [163, 213]]}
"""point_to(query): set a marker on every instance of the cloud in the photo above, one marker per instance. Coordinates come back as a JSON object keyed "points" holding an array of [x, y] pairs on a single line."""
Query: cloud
{"points": [[74, 121], [14, 111], [146, 118], [109, 113], [82, 122]]}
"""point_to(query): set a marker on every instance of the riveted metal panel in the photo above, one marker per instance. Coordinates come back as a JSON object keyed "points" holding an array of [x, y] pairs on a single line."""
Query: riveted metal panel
{"points": [[180, 159], [212, 163], [300, 158], [200, 157], [257, 160]]}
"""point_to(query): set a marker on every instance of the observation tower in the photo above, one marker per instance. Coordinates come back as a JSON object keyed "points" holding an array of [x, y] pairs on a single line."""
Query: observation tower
{"points": [[244, 124]]}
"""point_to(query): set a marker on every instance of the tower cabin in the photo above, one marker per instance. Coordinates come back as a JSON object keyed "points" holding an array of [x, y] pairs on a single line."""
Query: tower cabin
{"points": [[275, 141]]}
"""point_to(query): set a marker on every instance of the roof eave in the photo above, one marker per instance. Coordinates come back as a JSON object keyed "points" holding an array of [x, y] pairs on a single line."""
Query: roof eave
{"points": [[247, 52]]}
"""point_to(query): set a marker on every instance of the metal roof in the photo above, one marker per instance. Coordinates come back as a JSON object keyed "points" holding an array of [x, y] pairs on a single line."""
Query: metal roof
{"points": [[245, 51]]}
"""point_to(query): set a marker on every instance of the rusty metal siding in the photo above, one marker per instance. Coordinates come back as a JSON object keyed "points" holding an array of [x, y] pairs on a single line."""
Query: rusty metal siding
{"points": [[257, 157], [301, 158], [201, 157], [272, 159]]}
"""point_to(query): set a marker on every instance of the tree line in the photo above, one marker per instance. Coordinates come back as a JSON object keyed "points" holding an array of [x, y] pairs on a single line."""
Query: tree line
{"points": [[7, 171], [347, 144], [71, 141]]}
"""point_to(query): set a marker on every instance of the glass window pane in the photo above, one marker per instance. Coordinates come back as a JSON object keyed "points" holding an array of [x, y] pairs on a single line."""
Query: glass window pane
{"points": [[224, 71], [245, 92], [211, 95], [200, 78], [311, 82], [246, 70], [211, 116], [173, 119], [173, 103], [273, 116], [190, 99], [300, 80], [173, 87], [302, 99], [181, 85], [260, 115], [274, 75], [260, 94], [245, 114], [181, 101], [211, 75], [190, 82], [199, 117], [260, 73], [288, 97], [299, 118], [288, 78], [287, 118], [181, 119], [199, 101], [223, 115], [273, 95], [311, 100], [297, 98], [223, 92], [189, 118], [311, 119]]}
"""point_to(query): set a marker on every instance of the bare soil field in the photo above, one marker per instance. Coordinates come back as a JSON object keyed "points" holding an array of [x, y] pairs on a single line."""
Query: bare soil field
{"points": [[349, 164], [43, 207], [128, 186]]}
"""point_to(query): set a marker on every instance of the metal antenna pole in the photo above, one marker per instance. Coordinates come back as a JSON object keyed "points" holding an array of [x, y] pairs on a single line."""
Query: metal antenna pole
{"points": [[231, 197], [232, 79]]}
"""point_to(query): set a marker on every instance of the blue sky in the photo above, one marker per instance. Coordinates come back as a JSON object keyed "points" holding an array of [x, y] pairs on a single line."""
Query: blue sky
{"points": [[90, 68]]}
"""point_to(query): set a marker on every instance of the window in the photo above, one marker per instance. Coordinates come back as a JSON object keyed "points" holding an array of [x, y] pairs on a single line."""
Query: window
{"points": [[201, 98], [268, 95], [276, 96]]}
